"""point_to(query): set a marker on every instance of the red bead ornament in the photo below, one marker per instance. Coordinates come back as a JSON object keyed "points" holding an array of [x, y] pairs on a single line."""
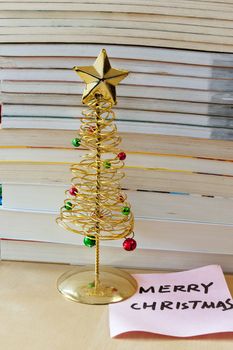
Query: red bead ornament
{"points": [[121, 198], [73, 191], [121, 155], [91, 129], [129, 244]]}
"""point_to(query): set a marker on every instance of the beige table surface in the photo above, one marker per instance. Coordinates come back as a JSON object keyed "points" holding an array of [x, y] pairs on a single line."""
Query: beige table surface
{"points": [[34, 316]]}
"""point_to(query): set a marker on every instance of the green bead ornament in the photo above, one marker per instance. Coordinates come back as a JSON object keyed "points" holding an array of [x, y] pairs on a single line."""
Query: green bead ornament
{"points": [[125, 210], [107, 164], [76, 142], [89, 242], [91, 285], [68, 205]]}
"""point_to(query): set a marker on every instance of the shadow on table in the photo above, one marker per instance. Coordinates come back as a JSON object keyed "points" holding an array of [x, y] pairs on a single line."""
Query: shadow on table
{"points": [[147, 335]]}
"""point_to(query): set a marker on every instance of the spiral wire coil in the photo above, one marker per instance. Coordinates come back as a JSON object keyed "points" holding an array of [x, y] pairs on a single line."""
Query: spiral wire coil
{"points": [[97, 206]]}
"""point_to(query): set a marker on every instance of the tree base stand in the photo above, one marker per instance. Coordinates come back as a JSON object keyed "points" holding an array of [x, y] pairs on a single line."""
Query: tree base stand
{"points": [[113, 285]]}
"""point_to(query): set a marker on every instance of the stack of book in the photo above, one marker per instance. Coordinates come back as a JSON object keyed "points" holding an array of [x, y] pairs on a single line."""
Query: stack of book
{"points": [[196, 25], [169, 92], [174, 114]]}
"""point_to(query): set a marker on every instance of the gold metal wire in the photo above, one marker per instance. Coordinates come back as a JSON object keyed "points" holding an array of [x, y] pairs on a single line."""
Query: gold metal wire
{"points": [[97, 207]]}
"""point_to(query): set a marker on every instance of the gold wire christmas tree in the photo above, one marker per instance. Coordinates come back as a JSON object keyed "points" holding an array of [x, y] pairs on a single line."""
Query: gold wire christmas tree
{"points": [[95, 206]]}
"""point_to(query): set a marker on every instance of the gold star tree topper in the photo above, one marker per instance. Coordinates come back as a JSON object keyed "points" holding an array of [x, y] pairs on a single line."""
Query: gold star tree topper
{"points": [[100, 78]]}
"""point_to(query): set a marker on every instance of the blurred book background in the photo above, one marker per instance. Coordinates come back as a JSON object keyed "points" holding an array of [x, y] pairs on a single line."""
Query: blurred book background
{"points": [[174, 113]]}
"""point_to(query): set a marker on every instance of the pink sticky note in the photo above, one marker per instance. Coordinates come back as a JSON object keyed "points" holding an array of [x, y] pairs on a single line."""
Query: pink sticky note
{"points": [[180, 304]]}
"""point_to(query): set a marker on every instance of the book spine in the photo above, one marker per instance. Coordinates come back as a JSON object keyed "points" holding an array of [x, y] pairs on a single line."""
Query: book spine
{"points": [[145, 258]]}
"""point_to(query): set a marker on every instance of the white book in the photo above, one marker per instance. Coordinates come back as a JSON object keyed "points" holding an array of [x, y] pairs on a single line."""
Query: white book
{"points": [[147, 32], [135, 160], [32, 111], [124, 6], [123, 126], [97, 22], [133, 79], [151, 205], [143, 92], [151, 33], [116, 51], [115, 256], [129, 103], [137, 178], [156, 144], [158, 123], [150, 233], [163, 39], [64, 112], [139, 91], [144, 65]]}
